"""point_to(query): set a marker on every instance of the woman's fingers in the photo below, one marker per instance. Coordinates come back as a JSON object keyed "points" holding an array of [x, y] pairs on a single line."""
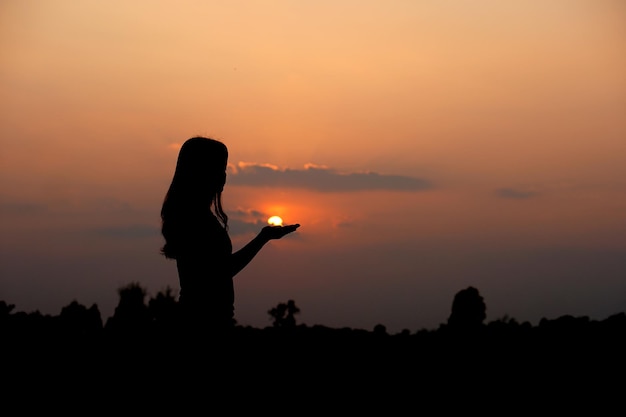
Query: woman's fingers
{"points": [[276, 232]]}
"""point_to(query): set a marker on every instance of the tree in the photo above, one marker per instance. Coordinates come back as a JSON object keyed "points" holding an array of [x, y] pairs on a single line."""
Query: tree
{"points": [[283, 314], [131, 314], [468, 310], [76, 319], [164, 309]]}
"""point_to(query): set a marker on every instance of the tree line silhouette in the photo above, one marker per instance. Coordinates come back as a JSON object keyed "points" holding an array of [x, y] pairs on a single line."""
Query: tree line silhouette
{"points": [[135, 318], [138, 354]]}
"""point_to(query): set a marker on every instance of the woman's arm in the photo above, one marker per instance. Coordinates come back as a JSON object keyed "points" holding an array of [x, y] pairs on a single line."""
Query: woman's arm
{"points": [[243, 256]]}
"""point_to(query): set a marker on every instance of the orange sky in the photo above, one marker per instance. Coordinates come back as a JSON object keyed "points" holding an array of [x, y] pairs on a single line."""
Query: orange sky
{"points": [[512, 112]]}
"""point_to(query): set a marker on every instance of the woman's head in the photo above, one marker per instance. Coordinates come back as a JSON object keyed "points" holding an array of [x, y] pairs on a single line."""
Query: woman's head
{"points": [[197, 185], [201, 165]]}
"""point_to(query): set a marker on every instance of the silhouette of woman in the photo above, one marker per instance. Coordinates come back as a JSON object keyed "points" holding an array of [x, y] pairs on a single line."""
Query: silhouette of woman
{"points": [[195, 228]]}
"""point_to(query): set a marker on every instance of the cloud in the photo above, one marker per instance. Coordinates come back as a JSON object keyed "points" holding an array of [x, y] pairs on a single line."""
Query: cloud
{"points": [[244, 213], [321, 178], [242, 221], [239, 227], [515, 194]]}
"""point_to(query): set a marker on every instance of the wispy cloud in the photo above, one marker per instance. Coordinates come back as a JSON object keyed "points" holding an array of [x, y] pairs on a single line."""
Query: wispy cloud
{"points": [[321, 178], [241, 227], [515, 193]]}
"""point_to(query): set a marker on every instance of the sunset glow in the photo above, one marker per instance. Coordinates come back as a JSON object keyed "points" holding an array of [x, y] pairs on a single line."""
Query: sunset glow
{"points": [[423, 146]]}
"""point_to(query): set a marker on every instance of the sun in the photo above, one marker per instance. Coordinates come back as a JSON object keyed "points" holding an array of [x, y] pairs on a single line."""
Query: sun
{"points": [[275, 221]]}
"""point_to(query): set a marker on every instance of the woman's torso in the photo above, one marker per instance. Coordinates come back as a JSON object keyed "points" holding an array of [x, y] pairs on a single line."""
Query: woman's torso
{"points": [[204, 270]]}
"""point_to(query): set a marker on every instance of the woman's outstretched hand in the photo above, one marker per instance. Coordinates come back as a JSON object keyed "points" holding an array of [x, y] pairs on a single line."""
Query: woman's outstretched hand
{"points": [[276, 232]]}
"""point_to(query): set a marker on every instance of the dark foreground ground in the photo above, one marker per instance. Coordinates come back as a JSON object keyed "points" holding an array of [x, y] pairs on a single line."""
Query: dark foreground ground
{"points": [[502, 368]]}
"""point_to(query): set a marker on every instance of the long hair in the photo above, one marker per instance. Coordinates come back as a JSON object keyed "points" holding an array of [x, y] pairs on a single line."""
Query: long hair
{"points": [[196, 187]]}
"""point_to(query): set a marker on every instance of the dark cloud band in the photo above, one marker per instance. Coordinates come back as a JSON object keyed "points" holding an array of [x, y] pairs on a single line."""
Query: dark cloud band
{"points": [[323, 179]]}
